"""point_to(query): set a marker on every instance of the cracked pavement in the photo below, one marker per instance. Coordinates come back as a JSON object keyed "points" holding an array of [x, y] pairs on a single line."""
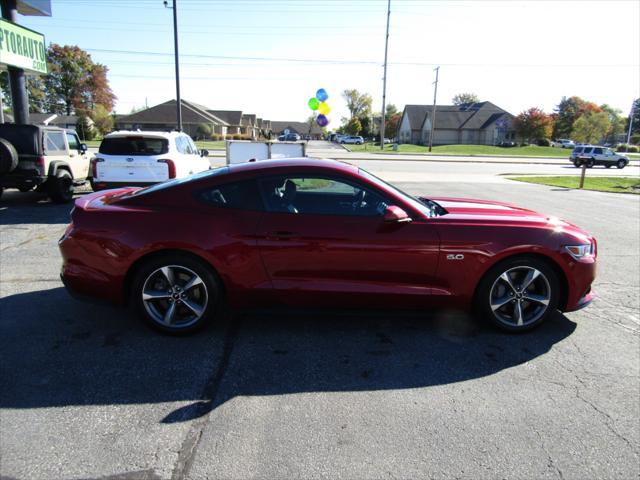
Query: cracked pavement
{"points": [[88, 392]]}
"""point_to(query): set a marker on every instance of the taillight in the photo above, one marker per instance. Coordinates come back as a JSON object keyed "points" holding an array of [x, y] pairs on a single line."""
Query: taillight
{"points": [[171, 166], [94, 167], [41, 164]]}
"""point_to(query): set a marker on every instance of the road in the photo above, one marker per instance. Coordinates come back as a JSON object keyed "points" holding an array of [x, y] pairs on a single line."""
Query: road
{"points": [[88, 392]]}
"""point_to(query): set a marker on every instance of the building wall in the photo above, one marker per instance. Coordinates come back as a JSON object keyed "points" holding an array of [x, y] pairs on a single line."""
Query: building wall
{"points": [[404, 132]]}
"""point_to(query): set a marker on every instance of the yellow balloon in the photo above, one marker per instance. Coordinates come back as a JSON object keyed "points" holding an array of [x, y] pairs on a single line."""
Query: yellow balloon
{"points": [[324, 108]]}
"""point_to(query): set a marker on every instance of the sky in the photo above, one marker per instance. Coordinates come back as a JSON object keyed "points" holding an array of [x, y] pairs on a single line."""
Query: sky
{"points": [[269, 57]]}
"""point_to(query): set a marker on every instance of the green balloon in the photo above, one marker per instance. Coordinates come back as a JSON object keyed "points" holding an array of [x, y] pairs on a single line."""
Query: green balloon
{"points": [[313, 103]]}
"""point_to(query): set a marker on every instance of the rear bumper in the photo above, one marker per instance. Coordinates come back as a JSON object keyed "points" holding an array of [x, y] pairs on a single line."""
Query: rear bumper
{"points": [[22, 179]]}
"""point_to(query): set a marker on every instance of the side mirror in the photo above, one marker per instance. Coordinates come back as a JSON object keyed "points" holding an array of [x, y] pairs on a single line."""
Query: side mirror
{"points": [[396, 215], [204, 153], [83, 147]]}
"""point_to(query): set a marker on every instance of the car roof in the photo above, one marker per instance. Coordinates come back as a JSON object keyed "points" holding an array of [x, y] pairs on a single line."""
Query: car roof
{"points": [[293, 163], [144, 133]]}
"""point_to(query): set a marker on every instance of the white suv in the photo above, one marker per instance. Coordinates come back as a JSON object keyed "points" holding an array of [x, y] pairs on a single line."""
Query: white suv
{"points": [[136, 158]]}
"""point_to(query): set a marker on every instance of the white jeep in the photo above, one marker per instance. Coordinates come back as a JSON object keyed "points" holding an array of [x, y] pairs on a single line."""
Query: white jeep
{"points": [[48, 159]]}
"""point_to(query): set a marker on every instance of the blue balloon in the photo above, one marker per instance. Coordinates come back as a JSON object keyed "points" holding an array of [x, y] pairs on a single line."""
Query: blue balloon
{"points": [[322, 95], [322, 120]]}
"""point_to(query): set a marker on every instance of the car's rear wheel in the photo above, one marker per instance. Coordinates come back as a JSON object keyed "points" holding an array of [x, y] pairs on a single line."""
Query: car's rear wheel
{"points": [[591, 162], [176, 294], [577, 163], [60, 187], [621, 164], [518, 294], [607, 165]]}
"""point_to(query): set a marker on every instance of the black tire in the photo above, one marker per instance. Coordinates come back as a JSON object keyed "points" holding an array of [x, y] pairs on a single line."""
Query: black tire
{"points": [[607, 165], [621, 164], [1, 192], [8, 156], [60, 187], [490, 285], [182, 266], [577, 163], [591, 162]]}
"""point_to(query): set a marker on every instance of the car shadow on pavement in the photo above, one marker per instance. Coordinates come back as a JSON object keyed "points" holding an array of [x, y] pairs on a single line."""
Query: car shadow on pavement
{"points": [[17, 208], [61, 352]]}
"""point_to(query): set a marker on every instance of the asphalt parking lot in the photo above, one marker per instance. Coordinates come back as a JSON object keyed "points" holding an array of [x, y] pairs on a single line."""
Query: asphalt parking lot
{"points": [[88, 392]]}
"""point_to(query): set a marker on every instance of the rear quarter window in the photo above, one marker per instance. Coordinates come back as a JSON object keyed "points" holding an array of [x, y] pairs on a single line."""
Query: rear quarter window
{"points": [[134, 145], [54, 143], [242, 195]]}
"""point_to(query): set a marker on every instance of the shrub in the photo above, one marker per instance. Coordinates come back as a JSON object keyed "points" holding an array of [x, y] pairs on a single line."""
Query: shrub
{"points": [[635, 138], [544, 142], [627, 148], [216, 136]]}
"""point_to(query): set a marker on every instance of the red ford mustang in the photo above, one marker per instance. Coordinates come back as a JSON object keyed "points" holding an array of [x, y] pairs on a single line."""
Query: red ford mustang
{"points": [[319, 233]]}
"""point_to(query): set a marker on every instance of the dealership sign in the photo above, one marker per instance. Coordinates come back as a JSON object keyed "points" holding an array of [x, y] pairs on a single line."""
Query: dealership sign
{"points": [[22, 48]]}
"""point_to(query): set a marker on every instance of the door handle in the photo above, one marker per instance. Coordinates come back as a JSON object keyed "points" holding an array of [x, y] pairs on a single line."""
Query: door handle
{"points": [[282, 235]]}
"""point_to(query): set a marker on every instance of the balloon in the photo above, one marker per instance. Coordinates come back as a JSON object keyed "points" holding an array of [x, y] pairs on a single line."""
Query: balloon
{"points": [[322, 121], [324, 108], [313, 103], [322, 95]]}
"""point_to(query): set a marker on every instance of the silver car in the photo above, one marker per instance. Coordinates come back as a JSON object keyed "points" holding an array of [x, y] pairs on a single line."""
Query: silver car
{"points": [[592, 155]]}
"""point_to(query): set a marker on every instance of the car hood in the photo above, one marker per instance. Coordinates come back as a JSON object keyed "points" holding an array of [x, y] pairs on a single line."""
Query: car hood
{"points": [[483, 211]]}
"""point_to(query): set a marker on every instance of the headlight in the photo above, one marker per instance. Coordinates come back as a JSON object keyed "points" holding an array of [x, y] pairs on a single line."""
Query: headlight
{"points": [[580, 251]]}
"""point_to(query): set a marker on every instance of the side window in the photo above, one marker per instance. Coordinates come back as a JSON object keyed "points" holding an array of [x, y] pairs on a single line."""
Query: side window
{"points": [[73, 142], [241, 195], [319, 195], [180, 145], [598, 151], [587, 150], [54, 143], [191, 147]]}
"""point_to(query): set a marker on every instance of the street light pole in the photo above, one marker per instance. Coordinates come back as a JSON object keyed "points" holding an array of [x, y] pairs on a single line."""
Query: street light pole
{"points": [[633, 107], [175, 43], [384, 79]]}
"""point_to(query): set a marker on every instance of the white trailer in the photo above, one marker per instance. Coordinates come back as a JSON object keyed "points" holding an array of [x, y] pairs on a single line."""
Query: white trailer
{"points": [[241, 151]]}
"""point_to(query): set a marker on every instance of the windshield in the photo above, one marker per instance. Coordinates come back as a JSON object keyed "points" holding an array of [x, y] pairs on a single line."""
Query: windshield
{"points": [[431, 209], [134, 145]]}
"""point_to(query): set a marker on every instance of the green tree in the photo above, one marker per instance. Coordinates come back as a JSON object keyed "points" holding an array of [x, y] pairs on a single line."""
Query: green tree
{"points": [[359, 104], [85, 128], [636, 118], [533, 124], [102, 120], [568, 111], [353, 127], [617, 122], [74, 83], [393, 122], [591, 127], [462, 98], [203, 131], [390, 110], [35, 93]]}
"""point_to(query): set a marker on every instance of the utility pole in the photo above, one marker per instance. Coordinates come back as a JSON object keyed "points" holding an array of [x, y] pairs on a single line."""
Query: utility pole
{"points": [[633, 107], [17, 80], [433, 112], [175, 42], [384, 79]]}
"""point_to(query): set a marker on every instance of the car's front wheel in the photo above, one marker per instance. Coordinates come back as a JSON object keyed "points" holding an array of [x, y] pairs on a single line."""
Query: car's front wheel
{"points": [[176, 294], [518, 294], [621, 164]]}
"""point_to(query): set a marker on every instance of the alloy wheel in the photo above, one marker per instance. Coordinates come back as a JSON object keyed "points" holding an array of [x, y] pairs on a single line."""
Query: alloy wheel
{"points": [[520, 296], [175, 296]]}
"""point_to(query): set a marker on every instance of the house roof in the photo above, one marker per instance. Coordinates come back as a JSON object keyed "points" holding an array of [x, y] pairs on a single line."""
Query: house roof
{"points": [[232, 117], [468, 116], [301, 128], [165, 113], [248, 119]]}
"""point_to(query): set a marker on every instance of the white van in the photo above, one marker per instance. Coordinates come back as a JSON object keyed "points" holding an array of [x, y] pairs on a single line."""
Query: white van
{"points": [[136, 158]]}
